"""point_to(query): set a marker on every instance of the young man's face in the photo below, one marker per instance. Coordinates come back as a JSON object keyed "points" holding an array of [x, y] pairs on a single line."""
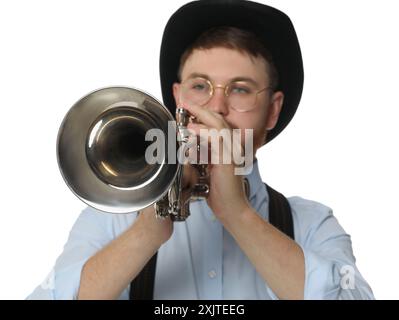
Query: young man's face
{"points": [[220, 66]]}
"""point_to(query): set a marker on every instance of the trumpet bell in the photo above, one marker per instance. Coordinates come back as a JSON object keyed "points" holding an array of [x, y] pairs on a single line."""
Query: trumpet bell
{"points": [[101, 150]]}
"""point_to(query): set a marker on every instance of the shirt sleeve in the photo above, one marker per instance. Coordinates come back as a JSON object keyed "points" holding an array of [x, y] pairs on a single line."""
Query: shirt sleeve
{"points": [[89, 234], [330, 266]]}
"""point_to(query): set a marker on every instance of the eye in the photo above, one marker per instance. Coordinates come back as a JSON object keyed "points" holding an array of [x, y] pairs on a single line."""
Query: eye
{"points": [[198, 86], [240, 89]]}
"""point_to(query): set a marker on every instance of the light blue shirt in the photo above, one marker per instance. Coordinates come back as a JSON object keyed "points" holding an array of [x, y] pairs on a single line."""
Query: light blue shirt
{"points": [[201, 260]]}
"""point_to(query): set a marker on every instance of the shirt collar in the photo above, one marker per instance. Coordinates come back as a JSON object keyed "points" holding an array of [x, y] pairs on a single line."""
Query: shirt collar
{"points": [[255, 181]]}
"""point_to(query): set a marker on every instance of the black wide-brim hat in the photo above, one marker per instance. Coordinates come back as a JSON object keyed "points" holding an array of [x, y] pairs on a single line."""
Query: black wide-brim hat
{"points": [[273, 28]]}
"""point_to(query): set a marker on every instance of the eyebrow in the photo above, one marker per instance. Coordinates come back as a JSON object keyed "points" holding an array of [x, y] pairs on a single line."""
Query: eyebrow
{"points": [[202, 75]]}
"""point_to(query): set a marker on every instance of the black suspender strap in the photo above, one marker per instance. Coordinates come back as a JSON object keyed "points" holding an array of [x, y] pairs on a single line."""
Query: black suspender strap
{"points": [[142, 287], [280, 216]]}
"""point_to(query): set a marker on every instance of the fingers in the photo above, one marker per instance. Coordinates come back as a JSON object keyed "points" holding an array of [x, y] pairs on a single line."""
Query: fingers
{"points": [[215, 145], [207, 117], [196, 127], [189, 176]]}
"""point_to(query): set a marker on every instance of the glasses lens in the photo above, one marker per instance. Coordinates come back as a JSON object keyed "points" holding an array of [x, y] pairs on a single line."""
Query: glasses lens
{"points": [[196, 91], [241, 96]]}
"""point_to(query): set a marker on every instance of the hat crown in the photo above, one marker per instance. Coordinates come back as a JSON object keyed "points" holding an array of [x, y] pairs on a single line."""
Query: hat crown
{"points": [[272, 27]]}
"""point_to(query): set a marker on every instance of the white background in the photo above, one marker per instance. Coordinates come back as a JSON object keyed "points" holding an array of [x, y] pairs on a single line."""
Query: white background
{"points": [[340, 149]]}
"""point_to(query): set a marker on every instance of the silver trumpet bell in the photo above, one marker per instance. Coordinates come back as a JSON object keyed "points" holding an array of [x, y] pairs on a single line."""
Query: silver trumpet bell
{"points": [[101, 154]]}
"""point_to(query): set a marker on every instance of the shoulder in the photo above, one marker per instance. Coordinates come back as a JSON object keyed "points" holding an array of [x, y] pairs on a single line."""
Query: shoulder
{"points": [[95, 221], [309, 209], [314, 221]]}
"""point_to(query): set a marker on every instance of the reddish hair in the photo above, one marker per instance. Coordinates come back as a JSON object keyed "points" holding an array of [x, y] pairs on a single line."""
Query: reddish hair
{"points": [[236, 39]]}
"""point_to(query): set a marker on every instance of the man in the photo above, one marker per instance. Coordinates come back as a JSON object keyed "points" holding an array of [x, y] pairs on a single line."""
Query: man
{"points": [[225, 52]]}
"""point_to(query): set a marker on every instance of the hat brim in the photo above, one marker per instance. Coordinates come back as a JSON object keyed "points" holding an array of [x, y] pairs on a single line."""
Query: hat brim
{"points": [[273, 27]]}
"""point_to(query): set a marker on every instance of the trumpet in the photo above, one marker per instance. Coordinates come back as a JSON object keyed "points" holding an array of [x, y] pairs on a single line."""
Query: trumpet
{"points": [[101, 146]]}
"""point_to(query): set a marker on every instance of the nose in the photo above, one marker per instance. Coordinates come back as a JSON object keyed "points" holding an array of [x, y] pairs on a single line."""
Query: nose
{"points": [[218, 102]]}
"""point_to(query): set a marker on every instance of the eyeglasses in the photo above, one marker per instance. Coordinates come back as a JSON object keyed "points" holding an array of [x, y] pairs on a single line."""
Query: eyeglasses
{"points": [[240, 95]]}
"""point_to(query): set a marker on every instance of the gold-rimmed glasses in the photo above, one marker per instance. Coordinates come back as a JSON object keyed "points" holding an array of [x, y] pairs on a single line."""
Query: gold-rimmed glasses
{"points": [[240, 95]]}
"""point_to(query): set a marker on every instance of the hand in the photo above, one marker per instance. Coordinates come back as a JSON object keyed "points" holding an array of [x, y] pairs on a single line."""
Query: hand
{"points": [[162, 229], [159, 229], [227, 195], [190, 177]]}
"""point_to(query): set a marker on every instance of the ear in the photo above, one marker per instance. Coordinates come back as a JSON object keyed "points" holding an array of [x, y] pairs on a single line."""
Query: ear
{"points": [[176, 92], [274, 109]]}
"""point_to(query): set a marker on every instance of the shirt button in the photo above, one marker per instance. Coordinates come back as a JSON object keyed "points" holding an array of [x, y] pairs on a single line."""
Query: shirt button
{"points": [[212, 274], [213, 218]]}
